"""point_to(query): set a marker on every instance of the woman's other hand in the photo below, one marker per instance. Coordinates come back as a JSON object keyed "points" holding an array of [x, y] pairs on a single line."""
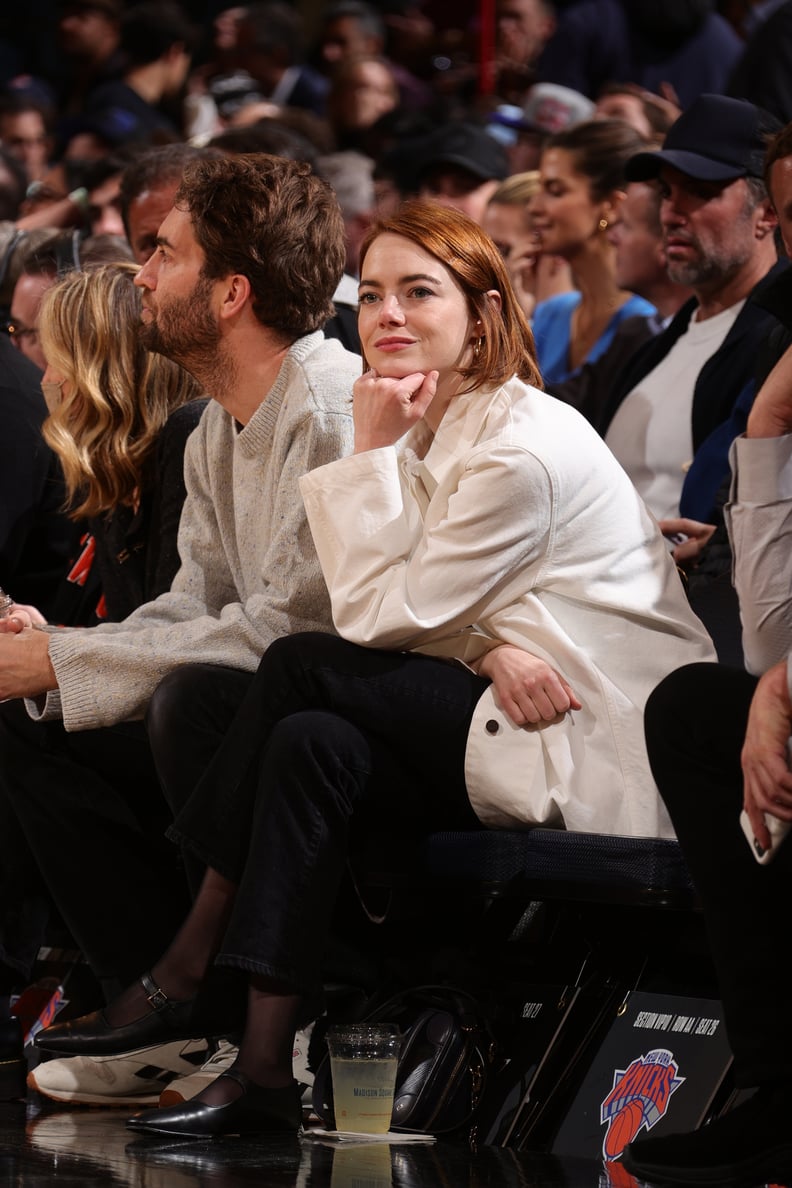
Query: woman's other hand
{"points": [[771, 411], [767, 779], [528, 689], [521, 265], [18, 617], [688, 537]]}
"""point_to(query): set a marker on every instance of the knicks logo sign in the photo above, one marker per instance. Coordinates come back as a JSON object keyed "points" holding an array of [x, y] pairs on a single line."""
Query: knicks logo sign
{"points": [[639, 1098]]}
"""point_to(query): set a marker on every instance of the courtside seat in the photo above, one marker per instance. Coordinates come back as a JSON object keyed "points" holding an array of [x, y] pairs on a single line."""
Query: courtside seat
{"points": [[520, 917], [536, 864]]}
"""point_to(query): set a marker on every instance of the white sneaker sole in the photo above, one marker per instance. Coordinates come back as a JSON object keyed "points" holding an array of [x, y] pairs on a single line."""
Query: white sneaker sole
{"points": [[75, 1097]]}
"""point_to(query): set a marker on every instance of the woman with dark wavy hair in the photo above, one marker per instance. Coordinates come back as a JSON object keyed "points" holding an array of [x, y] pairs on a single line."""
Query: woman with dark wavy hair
{"points": [[582, 185]]}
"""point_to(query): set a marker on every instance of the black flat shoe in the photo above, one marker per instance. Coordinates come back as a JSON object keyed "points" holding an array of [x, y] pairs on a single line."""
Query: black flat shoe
{"points": [[255, 1111], [92, 1035]]}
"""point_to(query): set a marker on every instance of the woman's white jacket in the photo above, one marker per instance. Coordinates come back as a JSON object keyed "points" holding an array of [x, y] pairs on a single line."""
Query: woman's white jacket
{"points": [[515, 524]]}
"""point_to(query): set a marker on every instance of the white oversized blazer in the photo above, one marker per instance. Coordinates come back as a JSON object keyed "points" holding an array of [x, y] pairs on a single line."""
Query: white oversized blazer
{"points": [[516, 524]]}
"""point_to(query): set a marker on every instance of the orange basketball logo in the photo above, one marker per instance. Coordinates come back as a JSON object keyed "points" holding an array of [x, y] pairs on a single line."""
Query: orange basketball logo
{"points": [[639, 1097]]}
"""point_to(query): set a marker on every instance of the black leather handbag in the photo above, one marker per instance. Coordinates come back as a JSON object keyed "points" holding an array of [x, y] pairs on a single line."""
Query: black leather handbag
{"points": [[442, 1068]]}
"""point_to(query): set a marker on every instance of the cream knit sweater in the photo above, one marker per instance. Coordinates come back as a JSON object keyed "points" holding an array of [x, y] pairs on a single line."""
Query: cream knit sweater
{"points": [[249, 572]]}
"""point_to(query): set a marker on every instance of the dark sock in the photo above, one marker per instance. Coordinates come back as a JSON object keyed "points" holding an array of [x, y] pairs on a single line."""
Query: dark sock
{"points": [[181, 970], [265, 1052]]}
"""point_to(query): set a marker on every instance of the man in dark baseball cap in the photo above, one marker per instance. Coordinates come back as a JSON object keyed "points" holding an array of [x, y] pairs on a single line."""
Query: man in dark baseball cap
{"points": [[717, 139], [681, 388], [460, 165], [705, 781]]}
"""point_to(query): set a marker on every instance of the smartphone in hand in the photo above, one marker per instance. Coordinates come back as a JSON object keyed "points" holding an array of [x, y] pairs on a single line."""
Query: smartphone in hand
{"points": [[777, 828]]}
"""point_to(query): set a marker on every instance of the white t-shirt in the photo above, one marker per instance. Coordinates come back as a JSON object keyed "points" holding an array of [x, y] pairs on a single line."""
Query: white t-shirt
{"points": [[651, 433]]}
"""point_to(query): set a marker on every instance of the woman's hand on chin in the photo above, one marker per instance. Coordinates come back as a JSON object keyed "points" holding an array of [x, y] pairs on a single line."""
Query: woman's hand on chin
{"points": [[385, 408]]}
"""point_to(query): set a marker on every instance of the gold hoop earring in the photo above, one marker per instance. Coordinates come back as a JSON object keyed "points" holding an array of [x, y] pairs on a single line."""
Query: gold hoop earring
{"points": [[477, 347], [603, 224]]}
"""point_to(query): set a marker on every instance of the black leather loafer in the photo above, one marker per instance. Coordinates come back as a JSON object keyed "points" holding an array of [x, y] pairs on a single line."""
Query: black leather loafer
{"points": [[92, 1035], [255, 1111]]}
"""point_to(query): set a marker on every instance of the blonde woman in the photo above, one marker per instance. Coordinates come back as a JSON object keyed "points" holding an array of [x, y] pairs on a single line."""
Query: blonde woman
{"points": [[534, 275], [119, 420]]}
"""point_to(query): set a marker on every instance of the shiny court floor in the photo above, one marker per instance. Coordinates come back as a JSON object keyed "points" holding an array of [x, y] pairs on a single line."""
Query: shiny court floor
{"points": [[44, 1145]]}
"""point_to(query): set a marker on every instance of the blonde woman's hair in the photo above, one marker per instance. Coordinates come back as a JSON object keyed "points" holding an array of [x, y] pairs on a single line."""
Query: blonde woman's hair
{"points": [[105, 430], [517, 189]]}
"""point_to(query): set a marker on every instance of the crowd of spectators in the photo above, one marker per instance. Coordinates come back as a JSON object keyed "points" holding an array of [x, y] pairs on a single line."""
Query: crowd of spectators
{"points": [[82, 79]]}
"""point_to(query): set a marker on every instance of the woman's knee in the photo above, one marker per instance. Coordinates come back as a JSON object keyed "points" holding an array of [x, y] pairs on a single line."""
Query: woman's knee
{"points": [[695, 724], [304, 649], [693, 704], [324, 753]]}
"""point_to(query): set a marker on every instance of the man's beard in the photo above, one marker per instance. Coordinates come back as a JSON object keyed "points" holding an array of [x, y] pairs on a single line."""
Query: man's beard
{"points": [[693, 272], [185, 330], [705, 273], [714, 266]]}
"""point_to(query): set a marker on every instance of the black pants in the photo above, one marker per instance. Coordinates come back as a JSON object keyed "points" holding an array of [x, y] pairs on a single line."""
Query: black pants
{"points": [[187, 720], [326, 730], [92, 816], [25, 903], [695, 728]]}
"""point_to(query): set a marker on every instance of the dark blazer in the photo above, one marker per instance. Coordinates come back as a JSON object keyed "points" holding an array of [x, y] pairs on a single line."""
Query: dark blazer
{"points": [[589, 389], [723, 376], [130, 557], [137, 553]]}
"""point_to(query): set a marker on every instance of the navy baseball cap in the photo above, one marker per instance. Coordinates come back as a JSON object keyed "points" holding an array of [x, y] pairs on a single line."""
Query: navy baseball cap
{"points": [[468, 146], [716, 139]]}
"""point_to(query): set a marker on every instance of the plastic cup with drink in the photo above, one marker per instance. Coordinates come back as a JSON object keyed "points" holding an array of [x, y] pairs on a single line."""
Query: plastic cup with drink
{"points": [[363, 1062]]}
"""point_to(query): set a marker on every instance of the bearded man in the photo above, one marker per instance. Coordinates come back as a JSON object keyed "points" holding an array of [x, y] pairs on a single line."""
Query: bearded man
{"points": [[236, 291]]}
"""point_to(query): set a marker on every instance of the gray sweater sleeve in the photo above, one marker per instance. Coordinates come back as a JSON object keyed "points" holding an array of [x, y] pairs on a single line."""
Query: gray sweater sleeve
{"points": [[249, 569]]}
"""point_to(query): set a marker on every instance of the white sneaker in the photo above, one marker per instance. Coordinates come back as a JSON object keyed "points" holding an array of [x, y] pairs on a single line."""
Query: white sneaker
{"points": [[184, 1088], [303, 1075], [187, 1087], [136, 1078]]}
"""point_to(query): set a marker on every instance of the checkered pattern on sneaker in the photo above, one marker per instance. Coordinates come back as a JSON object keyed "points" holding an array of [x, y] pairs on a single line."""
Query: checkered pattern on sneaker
{"points": [[135, 1078], [187, 1087]]}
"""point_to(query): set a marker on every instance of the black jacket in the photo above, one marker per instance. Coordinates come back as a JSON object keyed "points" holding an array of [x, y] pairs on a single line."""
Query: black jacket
{"points": [[723, 376], [589, 389], [130, 557], [36, 538]]}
